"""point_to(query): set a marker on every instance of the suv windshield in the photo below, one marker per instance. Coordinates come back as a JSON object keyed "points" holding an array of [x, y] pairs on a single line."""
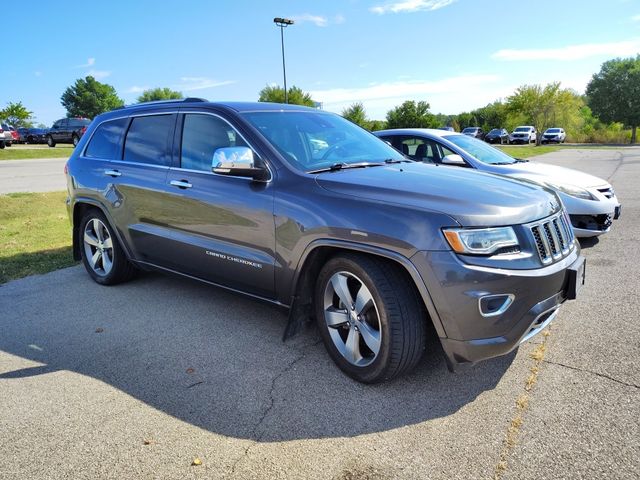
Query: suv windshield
{"points": [[553, 130], [469, 130], [522, 129], [315, 140], [480, 150], [495, 130]]}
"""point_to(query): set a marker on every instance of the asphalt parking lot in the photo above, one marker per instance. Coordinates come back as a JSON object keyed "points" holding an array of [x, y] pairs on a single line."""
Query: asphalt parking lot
{"points": [[137, 380]]}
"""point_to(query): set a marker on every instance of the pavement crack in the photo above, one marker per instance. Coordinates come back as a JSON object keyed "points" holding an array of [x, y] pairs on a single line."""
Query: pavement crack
{"points": [[620, 162], [302, 353], [522, 405], [584, 370]]}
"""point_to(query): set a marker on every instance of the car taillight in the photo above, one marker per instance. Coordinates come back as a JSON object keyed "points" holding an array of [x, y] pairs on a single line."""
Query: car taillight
{"points": [[66, 168], [82, 130]]}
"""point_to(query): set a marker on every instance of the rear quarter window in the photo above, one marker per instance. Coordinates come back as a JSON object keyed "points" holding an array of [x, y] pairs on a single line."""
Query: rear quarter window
{"points": [[147, 140], [105, 142]]}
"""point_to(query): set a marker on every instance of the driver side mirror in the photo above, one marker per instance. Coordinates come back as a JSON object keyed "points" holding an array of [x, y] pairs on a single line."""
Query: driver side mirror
{"points": [[237, 162], [454, 159]]}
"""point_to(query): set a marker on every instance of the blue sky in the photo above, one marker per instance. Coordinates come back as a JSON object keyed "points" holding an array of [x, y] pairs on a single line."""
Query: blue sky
{"points": [[455, 54]]}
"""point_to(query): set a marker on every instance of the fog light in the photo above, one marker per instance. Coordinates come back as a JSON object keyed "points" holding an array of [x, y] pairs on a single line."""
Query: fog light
{"points": [[493, 305]]}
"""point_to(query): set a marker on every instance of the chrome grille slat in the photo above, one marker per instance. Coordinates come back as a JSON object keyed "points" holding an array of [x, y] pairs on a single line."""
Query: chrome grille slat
{"points": [[553, 237]]}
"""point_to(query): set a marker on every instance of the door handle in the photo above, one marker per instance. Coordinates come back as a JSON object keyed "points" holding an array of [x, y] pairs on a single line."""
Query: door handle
{"points": [[180, 184], [112, 173]]}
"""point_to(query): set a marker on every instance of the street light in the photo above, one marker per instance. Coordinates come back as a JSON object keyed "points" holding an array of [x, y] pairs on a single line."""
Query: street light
{"points": [[283, 23]]}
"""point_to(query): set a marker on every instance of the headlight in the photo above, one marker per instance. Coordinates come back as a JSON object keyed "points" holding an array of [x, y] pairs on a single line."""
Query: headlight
{"points": [[573, 191], [480, 241]]}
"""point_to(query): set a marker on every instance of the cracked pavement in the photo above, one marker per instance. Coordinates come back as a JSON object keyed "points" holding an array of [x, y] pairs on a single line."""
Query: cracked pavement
{"points": [[89, 375]]}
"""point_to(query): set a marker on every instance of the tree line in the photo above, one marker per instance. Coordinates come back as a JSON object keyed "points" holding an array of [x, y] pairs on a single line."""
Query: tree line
{"points": [[604, 114]]}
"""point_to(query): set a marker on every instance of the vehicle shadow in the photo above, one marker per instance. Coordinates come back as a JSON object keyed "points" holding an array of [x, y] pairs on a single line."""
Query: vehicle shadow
{"points": [[215, 359], [588, 242]]}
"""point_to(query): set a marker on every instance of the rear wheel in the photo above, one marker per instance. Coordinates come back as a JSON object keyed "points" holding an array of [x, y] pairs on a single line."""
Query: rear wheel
{"points": [[9, 144], [370, 317], [102, 256], [1, 145], [50, 141], [74, 140]]}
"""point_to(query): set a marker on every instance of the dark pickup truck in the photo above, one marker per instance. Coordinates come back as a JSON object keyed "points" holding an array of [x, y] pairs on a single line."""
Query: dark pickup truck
{"points": [[303, 209]]}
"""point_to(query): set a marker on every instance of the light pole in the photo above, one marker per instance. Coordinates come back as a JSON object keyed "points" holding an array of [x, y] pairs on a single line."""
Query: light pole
{"points": [[283, 23]]}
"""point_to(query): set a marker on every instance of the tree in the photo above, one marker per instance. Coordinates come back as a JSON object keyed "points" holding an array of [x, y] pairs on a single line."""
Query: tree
{"points": [[375, 125], [411, 114], [89, 98], [544, 107], [614, 92], [356, 113], [159, 94], [17, 115], [275, 94]]}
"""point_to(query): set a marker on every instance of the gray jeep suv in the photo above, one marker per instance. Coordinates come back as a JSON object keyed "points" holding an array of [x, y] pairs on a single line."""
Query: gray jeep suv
{"points": [[305, 210]]}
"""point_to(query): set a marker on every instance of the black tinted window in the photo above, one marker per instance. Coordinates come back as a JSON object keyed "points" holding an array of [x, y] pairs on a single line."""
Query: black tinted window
{"points": [[147, 140], [202, 135], [105, 141]]}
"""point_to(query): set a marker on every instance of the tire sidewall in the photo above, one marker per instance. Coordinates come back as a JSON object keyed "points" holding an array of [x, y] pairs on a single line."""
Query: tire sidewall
{"points": [[374, 371], [117, 251]]}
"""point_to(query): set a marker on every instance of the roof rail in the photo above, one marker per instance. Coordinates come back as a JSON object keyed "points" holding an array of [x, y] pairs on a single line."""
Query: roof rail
{"points": [[160, 102]]}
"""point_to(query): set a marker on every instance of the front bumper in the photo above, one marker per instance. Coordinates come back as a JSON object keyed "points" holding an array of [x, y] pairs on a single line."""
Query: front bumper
{"points": [[458, 289]]}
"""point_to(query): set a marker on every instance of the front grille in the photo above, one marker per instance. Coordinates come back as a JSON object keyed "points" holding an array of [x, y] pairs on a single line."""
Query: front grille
{"points": [[607, 192], [553, 237]]}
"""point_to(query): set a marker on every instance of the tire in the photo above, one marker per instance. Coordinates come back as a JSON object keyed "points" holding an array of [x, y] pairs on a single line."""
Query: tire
{"points": [[75, 140], [383, 303], [1, 145], [102, 255], [50, 141]]}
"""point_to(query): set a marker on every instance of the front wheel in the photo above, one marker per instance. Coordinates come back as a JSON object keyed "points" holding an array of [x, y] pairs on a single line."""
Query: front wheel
{"points": [[50, 141], [1, 145], [102, 256], [370, 317]]}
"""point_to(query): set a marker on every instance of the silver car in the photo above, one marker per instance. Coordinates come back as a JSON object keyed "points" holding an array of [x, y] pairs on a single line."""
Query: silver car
{"points": [[6, 138], [590, 201]]}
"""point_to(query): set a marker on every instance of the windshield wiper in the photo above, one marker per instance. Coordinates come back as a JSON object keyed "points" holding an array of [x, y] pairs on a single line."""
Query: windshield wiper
{"points": [[391, 160], [344, 166], [521, 160]]}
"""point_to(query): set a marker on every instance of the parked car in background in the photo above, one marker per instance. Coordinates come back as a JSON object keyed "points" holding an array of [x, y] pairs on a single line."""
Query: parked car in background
{"points": [[448, 129], [67, 130], [523, 134], [497, 135], [475, 132], [33, 135], [372, 246], [590, 201], [6, 135], [553, 135]]}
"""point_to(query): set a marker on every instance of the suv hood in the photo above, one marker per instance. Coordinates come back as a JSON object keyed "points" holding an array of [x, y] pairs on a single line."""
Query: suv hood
{"points": [[472, 198], [554, 174]]}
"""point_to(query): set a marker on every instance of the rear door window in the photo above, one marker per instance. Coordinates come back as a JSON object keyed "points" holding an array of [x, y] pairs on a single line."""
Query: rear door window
{"points": [[148, 139], [106, 141]]}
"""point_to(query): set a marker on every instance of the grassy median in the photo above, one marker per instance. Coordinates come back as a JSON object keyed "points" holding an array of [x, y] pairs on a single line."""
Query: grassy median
{"points": [[526, 151], [35, 234], [26, 152]]}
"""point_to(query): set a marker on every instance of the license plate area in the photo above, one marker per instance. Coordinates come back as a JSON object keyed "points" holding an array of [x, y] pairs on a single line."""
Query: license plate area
{"points": [[575, 278]]}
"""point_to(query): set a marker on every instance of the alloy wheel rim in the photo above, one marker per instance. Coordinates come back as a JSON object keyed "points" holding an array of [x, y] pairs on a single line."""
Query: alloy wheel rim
{"points": [[98, 247], [352, 319]]}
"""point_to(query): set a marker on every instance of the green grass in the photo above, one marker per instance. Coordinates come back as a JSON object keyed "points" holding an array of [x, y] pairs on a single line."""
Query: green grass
{"points": [[24, 152], [526, 151], [35, 234]]}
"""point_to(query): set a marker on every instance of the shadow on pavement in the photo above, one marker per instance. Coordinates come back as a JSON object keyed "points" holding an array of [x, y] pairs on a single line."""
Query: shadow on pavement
{"points": [[216, 360], [589, 242]]}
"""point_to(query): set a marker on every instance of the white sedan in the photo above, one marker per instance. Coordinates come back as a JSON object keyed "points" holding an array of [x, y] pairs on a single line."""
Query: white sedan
{"points": [[590, 201]]}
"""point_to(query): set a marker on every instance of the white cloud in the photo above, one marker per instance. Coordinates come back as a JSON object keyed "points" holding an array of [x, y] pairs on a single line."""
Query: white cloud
{"points": [[317, 20], [188, 84], [411, 6], [137, 89], [571, 52], [90, 63], [98, 74], [402, 90], [635, 18]]}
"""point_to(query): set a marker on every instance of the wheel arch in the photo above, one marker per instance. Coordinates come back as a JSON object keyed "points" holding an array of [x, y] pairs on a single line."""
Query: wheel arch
{"points": [[80, 207], [315, 256]]}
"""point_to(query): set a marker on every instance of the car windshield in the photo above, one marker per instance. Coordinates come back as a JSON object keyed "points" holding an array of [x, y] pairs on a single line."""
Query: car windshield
{"points": [[522, 129], [315, 140], [480, 150], [469, 130], [553, 130], [495, 130]]}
